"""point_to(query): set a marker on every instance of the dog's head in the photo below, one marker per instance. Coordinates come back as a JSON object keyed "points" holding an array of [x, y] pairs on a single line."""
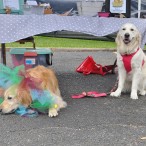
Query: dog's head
{"points": [[15, 96], [10, 104], [128, 36]]}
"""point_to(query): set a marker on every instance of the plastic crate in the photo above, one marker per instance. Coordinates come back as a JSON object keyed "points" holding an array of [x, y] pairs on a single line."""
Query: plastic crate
{"points": [[31, 57]]}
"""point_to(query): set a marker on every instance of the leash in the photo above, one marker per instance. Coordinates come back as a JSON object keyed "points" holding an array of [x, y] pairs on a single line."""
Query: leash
{"points": [[89, 66], [95, 94]]}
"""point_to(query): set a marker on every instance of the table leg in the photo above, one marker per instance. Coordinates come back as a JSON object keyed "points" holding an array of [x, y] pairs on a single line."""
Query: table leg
{"points": [[3, 53]]}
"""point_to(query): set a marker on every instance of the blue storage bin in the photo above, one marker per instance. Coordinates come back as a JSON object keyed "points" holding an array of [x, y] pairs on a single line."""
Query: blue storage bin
{"points": [[31, 57]]}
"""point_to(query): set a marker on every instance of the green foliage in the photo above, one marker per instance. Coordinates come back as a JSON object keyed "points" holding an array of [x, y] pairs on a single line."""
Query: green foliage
{"points": [[52, 42]]}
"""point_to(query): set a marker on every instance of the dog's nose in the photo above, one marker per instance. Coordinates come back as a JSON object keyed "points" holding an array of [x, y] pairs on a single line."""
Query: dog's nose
{"points": [[127, 35]]}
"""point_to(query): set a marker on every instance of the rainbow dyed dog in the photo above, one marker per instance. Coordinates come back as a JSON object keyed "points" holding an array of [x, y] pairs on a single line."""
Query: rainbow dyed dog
{"points": [[36, 88]]}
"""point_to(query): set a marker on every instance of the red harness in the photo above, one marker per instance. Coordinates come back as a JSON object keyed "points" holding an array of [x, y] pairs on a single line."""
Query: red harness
{"points": [[127, 60]]}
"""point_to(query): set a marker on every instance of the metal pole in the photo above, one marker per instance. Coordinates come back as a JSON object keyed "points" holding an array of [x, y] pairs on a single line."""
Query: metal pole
{"points": [[139, 8], [3, 53]]}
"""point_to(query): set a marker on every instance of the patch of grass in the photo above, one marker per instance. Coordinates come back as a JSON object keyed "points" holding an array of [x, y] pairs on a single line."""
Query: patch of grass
{"points": [[53, 42]]}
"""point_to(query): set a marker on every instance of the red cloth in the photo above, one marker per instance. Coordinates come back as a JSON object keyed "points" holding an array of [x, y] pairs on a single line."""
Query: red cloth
{"points": [[127, 60], [89, 66]]}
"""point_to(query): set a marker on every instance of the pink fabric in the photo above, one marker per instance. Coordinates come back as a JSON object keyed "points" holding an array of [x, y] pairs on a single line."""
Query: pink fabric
{"points": [[127, 60], [89, 94]]}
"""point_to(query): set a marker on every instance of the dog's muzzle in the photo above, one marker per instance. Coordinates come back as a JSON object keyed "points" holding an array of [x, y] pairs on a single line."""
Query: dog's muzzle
{"points": [[127, 38], [11, 112]]}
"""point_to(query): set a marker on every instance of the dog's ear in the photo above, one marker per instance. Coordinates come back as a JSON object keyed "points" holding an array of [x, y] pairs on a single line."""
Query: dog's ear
{"points": [[24, 97], [138, 38], [118, 39]]}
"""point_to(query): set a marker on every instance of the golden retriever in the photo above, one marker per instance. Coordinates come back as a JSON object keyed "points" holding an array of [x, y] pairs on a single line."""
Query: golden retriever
{"points": [[18, 95], [131, 62]]}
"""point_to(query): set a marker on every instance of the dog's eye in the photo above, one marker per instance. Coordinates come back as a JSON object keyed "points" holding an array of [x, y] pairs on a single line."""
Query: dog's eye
{"points": [[9, 98], [132, 29], [123, 29]]}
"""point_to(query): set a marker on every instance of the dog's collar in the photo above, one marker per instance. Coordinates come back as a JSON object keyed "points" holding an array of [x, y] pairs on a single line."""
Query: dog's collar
{"points": [[132, 54]]}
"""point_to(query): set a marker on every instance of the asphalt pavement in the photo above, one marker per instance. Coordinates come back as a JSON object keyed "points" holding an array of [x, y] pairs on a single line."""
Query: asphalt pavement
{"points": [[105, 121]]}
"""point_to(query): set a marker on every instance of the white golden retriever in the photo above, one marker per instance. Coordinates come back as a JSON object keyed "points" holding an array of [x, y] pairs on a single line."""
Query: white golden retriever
{"points": [[131, 62]]}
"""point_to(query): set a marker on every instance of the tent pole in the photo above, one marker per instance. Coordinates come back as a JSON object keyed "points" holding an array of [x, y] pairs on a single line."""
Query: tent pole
{"points": [[139, 8]]}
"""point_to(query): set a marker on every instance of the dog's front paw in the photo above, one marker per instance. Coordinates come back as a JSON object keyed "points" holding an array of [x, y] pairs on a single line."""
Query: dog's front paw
{"points": [[115, 94], [53, 112], [134, 96]]}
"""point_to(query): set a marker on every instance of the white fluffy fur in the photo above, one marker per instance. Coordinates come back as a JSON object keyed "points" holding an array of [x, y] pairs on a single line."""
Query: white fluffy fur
{"points": [[135, 80]]}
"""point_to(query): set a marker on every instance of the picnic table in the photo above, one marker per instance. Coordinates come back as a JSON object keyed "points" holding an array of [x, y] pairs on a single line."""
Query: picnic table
{"points": [[17, 27]]}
